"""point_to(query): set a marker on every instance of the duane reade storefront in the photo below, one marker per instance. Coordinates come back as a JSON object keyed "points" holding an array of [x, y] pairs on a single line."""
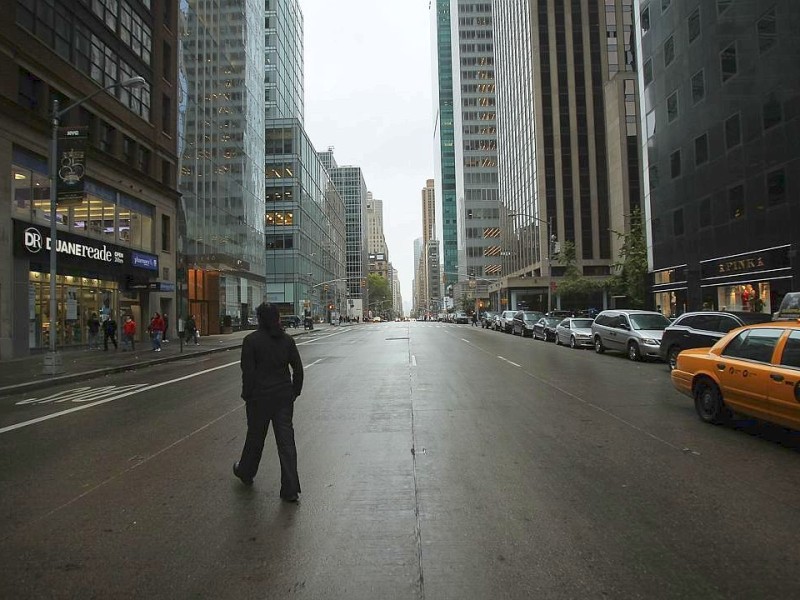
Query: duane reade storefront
{"points": [[93, 276]]}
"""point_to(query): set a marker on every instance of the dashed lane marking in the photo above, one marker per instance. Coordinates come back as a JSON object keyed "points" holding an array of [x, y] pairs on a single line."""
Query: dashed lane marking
{"points": [[509, 361]]}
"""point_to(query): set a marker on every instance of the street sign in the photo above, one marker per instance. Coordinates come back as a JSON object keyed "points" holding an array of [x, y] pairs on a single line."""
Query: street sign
{"points": [[553, 286]]}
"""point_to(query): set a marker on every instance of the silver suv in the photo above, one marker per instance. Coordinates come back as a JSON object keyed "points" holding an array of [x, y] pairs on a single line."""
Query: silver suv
{"points": [[637, 333]]}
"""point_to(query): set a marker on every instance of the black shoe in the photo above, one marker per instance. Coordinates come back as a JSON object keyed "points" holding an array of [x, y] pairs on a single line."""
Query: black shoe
{"points": [[244, 480], [290, 498]]}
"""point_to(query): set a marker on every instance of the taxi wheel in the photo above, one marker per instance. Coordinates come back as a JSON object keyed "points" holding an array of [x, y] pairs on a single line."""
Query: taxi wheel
{"points": [[708, 402]]}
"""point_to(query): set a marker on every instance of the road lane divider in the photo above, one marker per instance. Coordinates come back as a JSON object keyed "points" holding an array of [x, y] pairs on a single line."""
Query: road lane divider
{"points": [[413, 360], [511, 362]]}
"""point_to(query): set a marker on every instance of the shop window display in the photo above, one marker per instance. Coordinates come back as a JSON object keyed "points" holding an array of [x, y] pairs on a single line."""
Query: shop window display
{"points": [[745, 297]]}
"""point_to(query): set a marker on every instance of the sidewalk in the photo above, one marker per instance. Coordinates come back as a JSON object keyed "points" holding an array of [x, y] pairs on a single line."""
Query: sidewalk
{"points": [[25, 374]]}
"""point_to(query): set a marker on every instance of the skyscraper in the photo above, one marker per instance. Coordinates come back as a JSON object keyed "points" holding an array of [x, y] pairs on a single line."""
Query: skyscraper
{"points": [[720, 95], [470, 89], [305, 215], [222, 159], [568, 142], [349, 181]]}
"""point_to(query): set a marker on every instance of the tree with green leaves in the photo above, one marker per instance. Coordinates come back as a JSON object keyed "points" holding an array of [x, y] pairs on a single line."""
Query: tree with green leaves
{"points": [[630, 270], [575, 290], [380, 294]]}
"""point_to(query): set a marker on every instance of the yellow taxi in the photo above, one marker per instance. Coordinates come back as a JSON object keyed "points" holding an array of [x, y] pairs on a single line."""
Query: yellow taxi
{"points": [[753, 370]]}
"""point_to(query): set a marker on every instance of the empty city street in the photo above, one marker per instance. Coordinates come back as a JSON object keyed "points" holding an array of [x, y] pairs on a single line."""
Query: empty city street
{"points": [[436, 460]]}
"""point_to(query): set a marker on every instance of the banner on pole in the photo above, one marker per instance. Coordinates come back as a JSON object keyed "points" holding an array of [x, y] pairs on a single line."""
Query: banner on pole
{"points": [[71, 165]]}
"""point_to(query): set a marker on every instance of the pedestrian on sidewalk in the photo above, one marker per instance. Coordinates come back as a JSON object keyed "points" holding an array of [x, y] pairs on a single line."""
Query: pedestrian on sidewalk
{"points": [[165, 336], [190, 330], [94, 332], [109, 331], [269, 392], [128, 334], [156, 329]]}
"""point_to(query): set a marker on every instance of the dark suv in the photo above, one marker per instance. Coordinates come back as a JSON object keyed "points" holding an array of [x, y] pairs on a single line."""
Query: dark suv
{"points": [[703, 329]]}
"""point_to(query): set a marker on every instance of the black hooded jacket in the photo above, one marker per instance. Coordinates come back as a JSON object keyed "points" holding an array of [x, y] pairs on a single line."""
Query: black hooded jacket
{"points": [[267, 354]]}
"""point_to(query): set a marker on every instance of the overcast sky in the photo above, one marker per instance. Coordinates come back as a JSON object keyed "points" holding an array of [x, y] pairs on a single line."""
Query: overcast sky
{"points": [[368, 94]]}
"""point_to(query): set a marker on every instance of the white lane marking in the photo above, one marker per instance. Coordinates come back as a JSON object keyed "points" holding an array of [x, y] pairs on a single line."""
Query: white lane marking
{"points": [[138, 388], [312, 364], [413, 360], [463, 340], [82, 394], [509, 361], [116, 397], [321, 337]]}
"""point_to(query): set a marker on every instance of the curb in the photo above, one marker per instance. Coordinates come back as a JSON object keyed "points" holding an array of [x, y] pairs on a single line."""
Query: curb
{"points": [[53, 381]]}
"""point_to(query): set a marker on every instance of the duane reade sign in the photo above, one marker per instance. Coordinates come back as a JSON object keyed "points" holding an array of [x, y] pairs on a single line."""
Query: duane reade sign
{"points": [[84, 249]]}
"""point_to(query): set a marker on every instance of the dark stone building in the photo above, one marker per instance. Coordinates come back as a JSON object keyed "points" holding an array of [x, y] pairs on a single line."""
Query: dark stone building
{"points": [[720, 101]]}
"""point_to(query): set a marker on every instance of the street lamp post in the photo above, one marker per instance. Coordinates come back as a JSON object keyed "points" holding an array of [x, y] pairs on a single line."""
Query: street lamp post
{"points": [[52, 360], [550, 241]]}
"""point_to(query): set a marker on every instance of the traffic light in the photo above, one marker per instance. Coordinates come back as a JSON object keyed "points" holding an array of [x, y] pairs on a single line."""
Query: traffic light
{"points": [[480, 304]]}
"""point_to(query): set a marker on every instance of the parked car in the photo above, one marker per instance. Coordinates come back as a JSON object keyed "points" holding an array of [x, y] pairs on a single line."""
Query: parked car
{"points": [[291, 320], [576, 332], [505, 321], [754, 370], [634, 332], [487, 319], [703, 330], [522, 323], [545, 329], [789, 308], [461, 317]]}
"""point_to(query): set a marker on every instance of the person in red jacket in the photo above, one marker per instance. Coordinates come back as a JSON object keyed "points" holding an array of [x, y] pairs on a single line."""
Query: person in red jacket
{"points": [[156, 331], [128, 334]]}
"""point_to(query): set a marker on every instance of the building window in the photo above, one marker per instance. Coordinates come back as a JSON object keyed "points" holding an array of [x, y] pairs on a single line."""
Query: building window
{"points": [[648, 72], [29, 90], [767, 31], [727, 62], [705, 212], [776, 187], [677, 222], [669, 51], [645, 20], [736, 202], [772, 112], [166, 61], [694, 25], [675, 164], [128, 149], [653, 171], [733, 132], [166, 114], [665, 4], [166, 233], [701, 149], [166, 173], [672, 107], [143, 156], [723, 5], [698, 86]]}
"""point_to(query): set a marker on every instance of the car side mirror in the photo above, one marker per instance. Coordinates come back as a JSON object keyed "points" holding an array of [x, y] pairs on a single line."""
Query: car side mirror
{"points": [[625, 326]]}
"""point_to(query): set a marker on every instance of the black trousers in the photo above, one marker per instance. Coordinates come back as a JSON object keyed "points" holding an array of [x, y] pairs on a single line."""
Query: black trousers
{"points": [[109, 336], [280, 413]]}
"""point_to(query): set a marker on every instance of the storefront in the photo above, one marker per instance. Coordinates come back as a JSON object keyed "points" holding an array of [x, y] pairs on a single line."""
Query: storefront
{"points": [[93, 277], [753, 281]]}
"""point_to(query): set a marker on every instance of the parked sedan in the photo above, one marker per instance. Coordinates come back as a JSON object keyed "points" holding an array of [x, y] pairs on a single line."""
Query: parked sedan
{"points": [[754, 370], [703, 330], [461, 318], [576, 332], [487, 319], [522, 323], [504, 321], [545, 329]]}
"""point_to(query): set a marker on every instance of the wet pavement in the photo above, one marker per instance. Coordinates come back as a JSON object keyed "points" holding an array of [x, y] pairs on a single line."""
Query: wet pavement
{"points": [[27, 373]]}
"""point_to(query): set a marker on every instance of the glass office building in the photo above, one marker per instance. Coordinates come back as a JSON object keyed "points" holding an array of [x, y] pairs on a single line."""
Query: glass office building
{"points": [[221, 128]]}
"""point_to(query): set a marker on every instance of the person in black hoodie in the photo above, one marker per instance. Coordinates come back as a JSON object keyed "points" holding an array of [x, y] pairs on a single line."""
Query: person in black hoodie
{"points": [[269, 392]]}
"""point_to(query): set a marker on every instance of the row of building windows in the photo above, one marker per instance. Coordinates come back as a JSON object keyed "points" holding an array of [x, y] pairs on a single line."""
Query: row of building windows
{"points": [[736, 208], [480, 177], [475, 34], [126, 23], [472, 61], [479, 48]]}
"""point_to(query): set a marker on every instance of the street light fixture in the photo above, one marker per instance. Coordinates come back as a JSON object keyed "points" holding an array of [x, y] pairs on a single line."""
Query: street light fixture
{"points": [[551, 239], [52, 360]]}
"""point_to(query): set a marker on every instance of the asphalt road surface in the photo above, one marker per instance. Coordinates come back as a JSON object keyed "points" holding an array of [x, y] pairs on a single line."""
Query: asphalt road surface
{"points": [[437, 461]]}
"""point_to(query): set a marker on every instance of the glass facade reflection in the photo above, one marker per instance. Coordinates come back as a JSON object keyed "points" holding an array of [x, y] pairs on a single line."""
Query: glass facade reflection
{"points": [[305, 226], [283, 40], [221, 129]]}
